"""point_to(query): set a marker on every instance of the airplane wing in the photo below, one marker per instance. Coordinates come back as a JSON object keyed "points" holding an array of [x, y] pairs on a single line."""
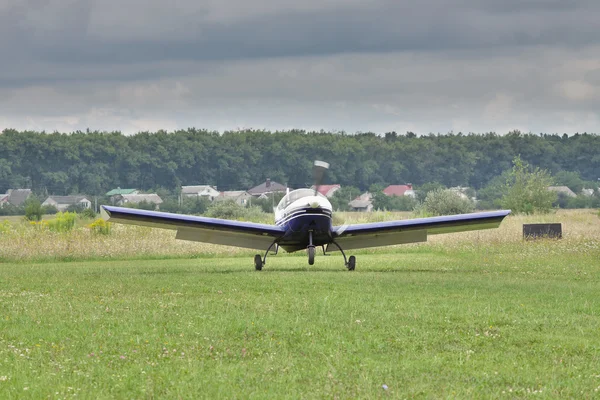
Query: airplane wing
{"points": [[199, 229], [411, 230]]}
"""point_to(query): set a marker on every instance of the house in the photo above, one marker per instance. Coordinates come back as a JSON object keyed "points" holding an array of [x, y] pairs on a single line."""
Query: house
{"points": [[462, 192], [16, 197], [61, 203], [399, 190], [118, 191], [268, 187], [562, 189], [585, 192], [364, 202], [327, 190], [241, 197], [124, 199], [200, 191]]}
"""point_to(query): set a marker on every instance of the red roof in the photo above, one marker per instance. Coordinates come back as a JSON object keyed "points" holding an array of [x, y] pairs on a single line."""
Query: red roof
{"points": [[324, 189], [396, 190]]}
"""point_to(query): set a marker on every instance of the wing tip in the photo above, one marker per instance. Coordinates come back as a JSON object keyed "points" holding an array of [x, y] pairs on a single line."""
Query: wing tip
{"points": [[104, 214]]}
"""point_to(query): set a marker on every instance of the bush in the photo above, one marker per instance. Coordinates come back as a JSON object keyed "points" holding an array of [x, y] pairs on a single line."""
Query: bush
{"points": [[444, 202], [232, 210], [49, 210], [100, 227], [63, 222], [526, 189], [87, 213], [9, 209], [381, 201], [33, 209], [5, 227]]}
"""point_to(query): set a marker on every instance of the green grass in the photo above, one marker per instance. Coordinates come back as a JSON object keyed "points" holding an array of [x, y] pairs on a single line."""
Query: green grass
{"points": [[514, 320]]}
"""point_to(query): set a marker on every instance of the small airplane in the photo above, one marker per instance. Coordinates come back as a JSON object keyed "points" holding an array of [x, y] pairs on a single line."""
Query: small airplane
{"points": [[303, 221]]}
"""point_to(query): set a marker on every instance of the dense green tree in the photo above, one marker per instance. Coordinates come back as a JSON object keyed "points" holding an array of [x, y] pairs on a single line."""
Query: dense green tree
{"points": [[526, 189], [94, 162]]}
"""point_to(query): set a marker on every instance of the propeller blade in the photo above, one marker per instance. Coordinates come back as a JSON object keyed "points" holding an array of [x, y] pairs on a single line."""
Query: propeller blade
{"points": [[319, 169]]}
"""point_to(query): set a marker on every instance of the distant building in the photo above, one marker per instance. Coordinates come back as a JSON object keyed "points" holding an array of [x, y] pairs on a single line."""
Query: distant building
{"points": [[585, 192], [364, 203], [125, 199], [562, 189], [399, 190], [114, 193], [16, 197], [200, 191], [241, 197], [462, 192], [61, 203], [119, 191], [268, 187], [327, 190]]}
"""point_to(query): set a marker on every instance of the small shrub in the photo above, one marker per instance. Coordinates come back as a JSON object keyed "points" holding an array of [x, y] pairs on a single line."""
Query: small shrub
{"points": [[232, 210], [87, 213], [63, 222], [100, 227], [5, 227], [444, 202], [33, 209]]}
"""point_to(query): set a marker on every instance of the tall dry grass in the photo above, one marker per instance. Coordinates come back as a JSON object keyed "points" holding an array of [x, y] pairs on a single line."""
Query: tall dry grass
{"points": [[22, 242]]}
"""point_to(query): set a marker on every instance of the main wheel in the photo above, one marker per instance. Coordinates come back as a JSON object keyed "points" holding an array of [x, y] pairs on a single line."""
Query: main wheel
{"points": [[258, 262], [311, 255], [351, 263]]}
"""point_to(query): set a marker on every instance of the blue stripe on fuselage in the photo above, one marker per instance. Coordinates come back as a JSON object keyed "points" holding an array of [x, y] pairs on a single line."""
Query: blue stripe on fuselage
{"points": [[298, 224]]}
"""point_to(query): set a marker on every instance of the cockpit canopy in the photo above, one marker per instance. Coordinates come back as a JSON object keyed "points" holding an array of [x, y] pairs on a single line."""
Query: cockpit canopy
{"points": [[297, 195]]}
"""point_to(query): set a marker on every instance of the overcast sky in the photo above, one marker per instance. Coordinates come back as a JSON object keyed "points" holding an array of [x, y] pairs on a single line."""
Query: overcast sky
{"points": [[352, 65]]}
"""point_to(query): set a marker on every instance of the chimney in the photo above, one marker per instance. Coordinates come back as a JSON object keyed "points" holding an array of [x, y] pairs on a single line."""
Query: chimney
{"points": [[268, 182]]}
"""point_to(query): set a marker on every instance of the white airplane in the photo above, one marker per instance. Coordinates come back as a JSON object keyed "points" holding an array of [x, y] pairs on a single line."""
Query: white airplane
{"points": [[303, 220]]}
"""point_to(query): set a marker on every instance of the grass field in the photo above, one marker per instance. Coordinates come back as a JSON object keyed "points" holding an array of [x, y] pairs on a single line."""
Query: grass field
{"points": [[469, 315]]}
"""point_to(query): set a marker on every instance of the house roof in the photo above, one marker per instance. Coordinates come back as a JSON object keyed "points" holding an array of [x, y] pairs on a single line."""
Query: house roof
{"points": [[357, 203], [67, 199], [562, 189], [396, 190], [267, 187], [16, 197], [326, 189], [233, 193], [137, 198], [195, 189], [3, 197], [120, 191]]}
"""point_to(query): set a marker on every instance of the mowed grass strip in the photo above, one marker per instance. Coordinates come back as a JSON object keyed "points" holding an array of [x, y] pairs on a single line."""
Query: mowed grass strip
{"points": [[432, 323]]}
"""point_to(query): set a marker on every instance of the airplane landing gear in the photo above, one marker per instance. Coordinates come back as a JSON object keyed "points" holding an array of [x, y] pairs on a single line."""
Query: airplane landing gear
{"points": [[350, 262], [311, 249], [258, 262], [311, 255]]}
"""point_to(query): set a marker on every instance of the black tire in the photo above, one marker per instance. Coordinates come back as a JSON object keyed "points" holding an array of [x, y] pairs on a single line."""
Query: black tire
{"points": [[311, 255], [351, 263], [258, 262]]}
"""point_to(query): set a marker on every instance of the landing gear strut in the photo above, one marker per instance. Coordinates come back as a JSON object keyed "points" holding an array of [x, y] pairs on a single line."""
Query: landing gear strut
{"points": [[259, 261], [350, 262]]}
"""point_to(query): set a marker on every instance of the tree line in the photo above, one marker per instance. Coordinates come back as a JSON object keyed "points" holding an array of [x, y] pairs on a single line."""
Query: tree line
{"points": [[94, 162]]}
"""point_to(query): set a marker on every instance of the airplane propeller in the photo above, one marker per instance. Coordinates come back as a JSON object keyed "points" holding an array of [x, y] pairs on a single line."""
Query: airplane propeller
{"points": [[319, 169]]}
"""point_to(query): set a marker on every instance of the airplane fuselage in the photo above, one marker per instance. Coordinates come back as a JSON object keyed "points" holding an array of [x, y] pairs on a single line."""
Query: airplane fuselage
{"points": [[305, 216]]}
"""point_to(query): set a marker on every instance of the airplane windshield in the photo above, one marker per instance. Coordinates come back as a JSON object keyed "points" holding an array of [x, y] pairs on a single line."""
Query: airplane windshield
{"points": [[296, 195]]}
